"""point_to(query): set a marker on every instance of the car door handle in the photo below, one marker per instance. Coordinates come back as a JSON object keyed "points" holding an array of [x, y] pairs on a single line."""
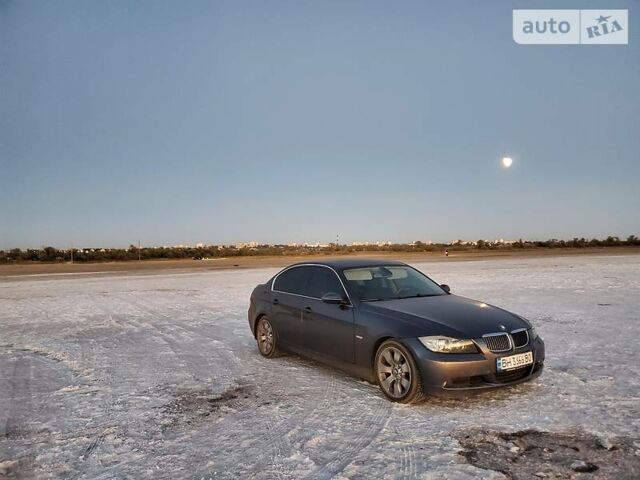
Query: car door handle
{"points": [[275, 301], [307, 309]]}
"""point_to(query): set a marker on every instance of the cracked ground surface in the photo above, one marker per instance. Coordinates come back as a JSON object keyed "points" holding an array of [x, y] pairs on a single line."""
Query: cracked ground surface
{"points": [[158, 376], [532, 454]]}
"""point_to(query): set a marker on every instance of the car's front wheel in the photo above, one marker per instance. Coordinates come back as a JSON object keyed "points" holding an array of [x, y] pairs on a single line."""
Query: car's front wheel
{"points": [[397, 373], [266, 338]]}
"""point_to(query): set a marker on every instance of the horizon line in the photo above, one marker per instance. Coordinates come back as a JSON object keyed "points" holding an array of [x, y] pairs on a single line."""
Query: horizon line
{"points": [[317, 244]]}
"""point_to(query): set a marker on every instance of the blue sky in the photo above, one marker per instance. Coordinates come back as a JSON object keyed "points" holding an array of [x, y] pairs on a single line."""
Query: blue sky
{"points": [[218, 122]]}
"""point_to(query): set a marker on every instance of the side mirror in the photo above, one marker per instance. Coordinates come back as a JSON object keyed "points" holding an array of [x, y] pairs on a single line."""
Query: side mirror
{"points": [[446, 288], [332, 297]]}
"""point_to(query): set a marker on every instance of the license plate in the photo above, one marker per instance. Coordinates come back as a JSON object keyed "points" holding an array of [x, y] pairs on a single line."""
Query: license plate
{"points": [[514, 361]]}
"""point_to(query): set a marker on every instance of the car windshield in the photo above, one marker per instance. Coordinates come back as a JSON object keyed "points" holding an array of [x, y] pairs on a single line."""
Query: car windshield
{"points": [[390, 283]]}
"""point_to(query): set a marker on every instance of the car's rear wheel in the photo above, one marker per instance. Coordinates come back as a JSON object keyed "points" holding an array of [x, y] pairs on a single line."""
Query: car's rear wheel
{"points": [[266, 338], [397, 373]]}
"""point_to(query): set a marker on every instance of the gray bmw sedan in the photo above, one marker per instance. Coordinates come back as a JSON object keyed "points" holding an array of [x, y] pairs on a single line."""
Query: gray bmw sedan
{"points": [[390, 324]]}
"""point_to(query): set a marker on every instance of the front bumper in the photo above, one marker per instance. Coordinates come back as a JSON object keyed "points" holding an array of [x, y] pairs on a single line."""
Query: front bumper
{"points": [[448, 374]]}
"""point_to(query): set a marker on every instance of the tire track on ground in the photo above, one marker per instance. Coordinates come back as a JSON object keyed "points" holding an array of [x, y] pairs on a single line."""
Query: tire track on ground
{"points": [[272, 445], [21, 410], [88, 357], [373, 425], [189, 350], [284, 446], [270, 440], [278, 443], [119, 317], [408, 465], [95, 443], [198, 364], [106, 376]]}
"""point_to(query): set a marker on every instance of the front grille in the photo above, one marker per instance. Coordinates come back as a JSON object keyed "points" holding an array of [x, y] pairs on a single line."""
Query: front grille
{"points": [[520, 339], [493, 379], [512, 375], [498, 343]]}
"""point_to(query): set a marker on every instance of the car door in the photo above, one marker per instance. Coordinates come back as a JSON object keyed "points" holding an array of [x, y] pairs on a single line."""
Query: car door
{"points": [[327, 328], [286, 304]]}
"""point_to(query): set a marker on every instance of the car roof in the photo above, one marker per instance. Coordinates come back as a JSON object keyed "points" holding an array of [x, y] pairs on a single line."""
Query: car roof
{"points": [[354, 262]]}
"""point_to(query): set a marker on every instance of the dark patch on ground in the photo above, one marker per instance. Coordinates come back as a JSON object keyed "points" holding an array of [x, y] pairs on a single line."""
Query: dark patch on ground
{"points": [[13, 432], [531, 454], [196, 406], [17, 468]]}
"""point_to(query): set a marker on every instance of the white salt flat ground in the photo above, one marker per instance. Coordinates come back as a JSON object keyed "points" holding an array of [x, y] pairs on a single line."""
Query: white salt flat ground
{"points": [[121, 376]]}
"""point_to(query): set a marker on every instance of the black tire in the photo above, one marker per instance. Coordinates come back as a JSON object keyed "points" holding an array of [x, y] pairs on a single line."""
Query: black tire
{"points": [[266, 338], [397, 374]]}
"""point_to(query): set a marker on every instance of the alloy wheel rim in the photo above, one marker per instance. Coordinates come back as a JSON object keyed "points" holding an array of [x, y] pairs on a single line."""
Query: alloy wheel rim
{"points": [[394, 372], [265, 336]]}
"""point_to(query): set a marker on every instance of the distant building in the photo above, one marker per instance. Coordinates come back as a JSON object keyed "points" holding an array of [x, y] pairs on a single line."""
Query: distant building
{"points": [[463, 242], [415, 242], [315, 245], [246, 245]]}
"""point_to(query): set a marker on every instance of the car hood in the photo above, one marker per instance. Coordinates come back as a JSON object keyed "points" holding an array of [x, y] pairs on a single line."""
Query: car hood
{"points": [[448, 315]]}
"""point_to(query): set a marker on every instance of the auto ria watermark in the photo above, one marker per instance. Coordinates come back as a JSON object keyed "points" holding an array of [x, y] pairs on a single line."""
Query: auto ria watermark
{"points": [[571, 27]]}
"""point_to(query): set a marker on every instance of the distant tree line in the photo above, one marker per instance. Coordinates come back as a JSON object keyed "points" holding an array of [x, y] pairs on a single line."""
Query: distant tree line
{"points": [[81, 255]]}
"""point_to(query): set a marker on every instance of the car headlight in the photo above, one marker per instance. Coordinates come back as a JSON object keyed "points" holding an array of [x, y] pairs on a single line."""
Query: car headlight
{"points": [[448, 345], [533, 333]]}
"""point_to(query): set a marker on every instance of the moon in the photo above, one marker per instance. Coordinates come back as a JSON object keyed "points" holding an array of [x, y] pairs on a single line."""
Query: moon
{"points": [[506, 162]]}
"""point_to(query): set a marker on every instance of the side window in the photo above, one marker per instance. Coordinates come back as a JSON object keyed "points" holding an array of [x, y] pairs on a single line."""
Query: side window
{"points": [[294, 280], [323, 281]]}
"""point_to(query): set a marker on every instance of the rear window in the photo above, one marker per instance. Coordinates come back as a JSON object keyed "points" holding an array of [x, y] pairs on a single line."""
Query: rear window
{"points": [[294, 280]]}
